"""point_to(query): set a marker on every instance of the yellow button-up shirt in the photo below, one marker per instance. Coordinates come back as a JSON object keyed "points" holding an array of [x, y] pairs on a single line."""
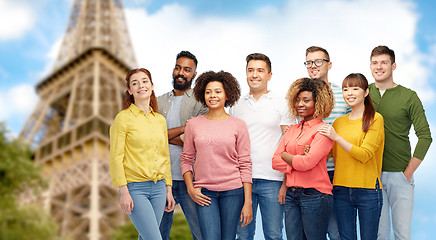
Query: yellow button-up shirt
{"points": [[139, 147]]}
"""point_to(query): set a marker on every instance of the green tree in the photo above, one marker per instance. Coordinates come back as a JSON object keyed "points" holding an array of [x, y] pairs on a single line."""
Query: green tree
{"points": [[18, 173]]}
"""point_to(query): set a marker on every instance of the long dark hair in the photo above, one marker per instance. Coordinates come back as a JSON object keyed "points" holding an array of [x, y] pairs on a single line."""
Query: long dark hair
{"points": [[128, 99], [359, 80]]}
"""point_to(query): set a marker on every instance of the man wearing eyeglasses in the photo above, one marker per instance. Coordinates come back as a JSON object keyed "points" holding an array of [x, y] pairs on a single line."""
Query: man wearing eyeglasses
{"points": [[318, 65]]}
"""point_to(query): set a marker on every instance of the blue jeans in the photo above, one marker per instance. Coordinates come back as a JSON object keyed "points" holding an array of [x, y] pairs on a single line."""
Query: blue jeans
{"points": [[149, 200], [365, 202], [306, 213], [181, 196], [332, 230], [220, 219], [265, 194], [397, 201]]}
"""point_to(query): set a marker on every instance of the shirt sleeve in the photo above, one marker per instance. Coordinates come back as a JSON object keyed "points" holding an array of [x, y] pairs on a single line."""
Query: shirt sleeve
{"points": [[188, 154], [277, 162], [167, 162], [243, 150], [422, 129], [286, 116], [117, 134], [373, 140], [319, 148]]}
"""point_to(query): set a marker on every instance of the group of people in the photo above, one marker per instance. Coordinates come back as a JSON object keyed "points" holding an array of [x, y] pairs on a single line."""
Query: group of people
{"points": [[315, 160]]}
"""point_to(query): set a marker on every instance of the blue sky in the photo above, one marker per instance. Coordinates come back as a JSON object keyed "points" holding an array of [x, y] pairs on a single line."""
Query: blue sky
{"points": [[222, 33]]}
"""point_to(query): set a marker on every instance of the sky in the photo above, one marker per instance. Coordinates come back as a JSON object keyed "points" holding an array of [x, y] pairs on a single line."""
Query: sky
{"points": [[222, 33]]}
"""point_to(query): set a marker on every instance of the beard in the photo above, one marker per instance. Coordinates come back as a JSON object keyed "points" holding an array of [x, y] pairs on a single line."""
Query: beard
{"points": [[183, 86]]}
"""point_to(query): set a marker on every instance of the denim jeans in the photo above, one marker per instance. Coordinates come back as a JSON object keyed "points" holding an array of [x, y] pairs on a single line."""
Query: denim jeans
{"points": [[220, 219], [364, 202], [398, 203], [181, 196], [265, 194], [332, 230], [149, 200], [306, 213]]}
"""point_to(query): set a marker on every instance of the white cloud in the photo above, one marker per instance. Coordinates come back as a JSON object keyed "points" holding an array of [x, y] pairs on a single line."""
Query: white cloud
{"points": [[283, 34], [17, 102], [16, 17]]}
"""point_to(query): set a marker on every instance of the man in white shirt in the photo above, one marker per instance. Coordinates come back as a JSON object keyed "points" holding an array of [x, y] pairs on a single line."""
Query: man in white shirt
{"points": [[267, 117]]}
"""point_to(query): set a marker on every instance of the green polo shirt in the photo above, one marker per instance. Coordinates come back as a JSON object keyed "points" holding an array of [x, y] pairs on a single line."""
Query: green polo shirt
{"points": [[400, 108]]}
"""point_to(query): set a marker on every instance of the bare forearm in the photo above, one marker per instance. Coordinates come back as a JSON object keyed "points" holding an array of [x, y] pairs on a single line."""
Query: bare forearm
{"points": [[176, 141], [411, 168], [287, 157], [175, 132]]}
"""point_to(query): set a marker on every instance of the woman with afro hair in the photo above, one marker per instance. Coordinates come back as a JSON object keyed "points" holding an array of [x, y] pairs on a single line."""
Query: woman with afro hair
{"points": [[301, 155], [217, 152]]}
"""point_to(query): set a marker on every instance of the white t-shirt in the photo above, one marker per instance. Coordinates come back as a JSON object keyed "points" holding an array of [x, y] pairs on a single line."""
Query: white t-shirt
{"points": [[264, 118]]}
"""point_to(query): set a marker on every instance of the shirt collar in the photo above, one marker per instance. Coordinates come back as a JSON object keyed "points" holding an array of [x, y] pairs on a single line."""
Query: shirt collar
{"points": [[266, 95], [188, 93], [136, 110], [310, 123]]}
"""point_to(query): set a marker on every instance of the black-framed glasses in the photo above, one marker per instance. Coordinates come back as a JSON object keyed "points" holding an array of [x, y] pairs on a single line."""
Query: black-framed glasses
{"points": [[317, 62]]}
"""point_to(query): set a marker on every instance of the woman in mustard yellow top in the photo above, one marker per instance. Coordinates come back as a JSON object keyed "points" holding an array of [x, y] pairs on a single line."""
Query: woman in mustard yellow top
{"points": [[139, 156], [358, 153]]}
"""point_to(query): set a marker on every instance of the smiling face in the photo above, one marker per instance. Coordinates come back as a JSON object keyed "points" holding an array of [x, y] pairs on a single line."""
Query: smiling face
{"points": [[140, 86], [354, 96], [382, 68], [305, 105], [183, 73], [318, 72], [215, 96], [258, 76]]}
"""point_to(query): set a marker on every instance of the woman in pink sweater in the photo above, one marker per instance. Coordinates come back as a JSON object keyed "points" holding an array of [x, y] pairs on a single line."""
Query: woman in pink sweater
{"points": [[217, 152], [309, 189]]}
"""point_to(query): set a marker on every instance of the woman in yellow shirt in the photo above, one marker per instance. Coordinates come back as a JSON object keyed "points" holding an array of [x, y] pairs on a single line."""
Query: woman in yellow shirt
{"points": [[358, 153], [139, 156]]}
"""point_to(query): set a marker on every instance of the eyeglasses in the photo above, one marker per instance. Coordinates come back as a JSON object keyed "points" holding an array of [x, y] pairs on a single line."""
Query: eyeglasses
{"points": [[317, 62]]}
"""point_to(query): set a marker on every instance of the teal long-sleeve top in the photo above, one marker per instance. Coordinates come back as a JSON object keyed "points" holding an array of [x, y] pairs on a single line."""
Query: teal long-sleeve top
{"points": [[400, 108]]}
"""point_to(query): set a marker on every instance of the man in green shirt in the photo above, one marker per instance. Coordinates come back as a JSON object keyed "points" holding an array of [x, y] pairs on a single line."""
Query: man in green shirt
{"points": [[400, 107]]}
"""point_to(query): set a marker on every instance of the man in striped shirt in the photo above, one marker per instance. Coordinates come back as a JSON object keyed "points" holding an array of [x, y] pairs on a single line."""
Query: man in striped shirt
{"points": [[318, 64]]}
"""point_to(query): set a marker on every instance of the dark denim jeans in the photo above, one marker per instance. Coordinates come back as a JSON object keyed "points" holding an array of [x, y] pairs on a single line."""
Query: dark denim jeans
{"points": [[181, 196], [364, 202], [220, 219], [306, 214]]}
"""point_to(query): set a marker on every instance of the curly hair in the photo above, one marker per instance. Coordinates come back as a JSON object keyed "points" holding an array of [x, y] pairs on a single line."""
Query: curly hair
{"points": [[230, 85], [321, 92], [128, 99]]}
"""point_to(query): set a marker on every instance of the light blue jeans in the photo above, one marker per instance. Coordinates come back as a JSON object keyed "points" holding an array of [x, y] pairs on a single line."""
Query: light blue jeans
{"points": [[265, 194], [398, 196], [149, 201], [219, 220], [181, 196]]}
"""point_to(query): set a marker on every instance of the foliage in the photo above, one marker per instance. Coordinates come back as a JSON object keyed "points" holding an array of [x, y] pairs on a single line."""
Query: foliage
{"points": [[179, 231], [18, 173]]}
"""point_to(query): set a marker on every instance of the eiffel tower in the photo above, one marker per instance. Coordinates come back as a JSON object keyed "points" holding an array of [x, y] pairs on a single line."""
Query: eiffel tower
{"points": [[69, 127]]}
